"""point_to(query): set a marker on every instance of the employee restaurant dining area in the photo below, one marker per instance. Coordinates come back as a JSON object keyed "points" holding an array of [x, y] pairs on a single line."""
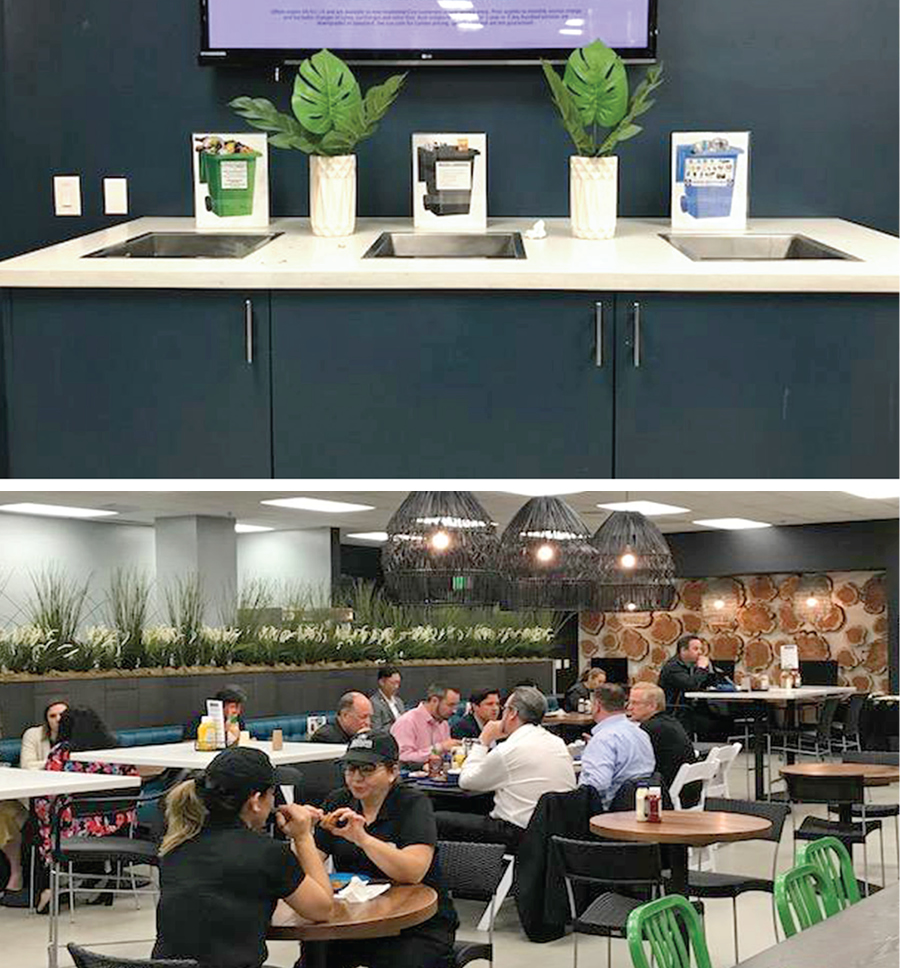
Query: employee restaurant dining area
{"points": [[436, 728]]}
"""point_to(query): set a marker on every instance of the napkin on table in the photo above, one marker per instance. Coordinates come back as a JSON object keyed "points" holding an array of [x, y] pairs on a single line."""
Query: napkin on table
{"points": [[358, 890]]}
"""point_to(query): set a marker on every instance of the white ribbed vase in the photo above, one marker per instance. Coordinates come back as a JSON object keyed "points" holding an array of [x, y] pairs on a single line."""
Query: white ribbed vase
{"points": [[332, 194], [593, 190]]}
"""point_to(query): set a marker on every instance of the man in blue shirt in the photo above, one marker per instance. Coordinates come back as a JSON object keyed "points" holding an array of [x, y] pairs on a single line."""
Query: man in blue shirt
{"points": [[618, 749]]}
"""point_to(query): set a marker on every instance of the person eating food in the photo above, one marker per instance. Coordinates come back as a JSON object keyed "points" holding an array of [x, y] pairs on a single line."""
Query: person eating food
{"points": [[376, 826]]}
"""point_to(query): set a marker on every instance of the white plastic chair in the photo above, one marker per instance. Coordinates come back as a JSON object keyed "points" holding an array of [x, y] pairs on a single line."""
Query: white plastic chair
{"points": [[704, 771], [724, 757]]}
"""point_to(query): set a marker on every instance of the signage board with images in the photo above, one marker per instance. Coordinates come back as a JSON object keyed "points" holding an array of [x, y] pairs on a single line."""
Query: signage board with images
{"points": [[710, 179], [449, 182], [231, 180]]}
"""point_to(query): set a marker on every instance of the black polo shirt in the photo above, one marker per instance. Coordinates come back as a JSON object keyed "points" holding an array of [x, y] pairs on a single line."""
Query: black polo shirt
{"points": [[405, 818], [218, 893]]}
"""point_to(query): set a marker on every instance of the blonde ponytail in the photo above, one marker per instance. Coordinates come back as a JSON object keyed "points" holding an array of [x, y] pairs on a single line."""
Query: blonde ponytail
{"points": [[185, 816]]}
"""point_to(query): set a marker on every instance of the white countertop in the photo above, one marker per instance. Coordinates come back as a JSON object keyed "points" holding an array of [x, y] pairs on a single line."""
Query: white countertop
{"points": [[183, 756], [16, 783], [801, 694], [637, 259]]}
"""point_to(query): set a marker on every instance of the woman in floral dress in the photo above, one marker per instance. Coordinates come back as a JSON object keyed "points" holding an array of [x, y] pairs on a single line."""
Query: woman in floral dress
{"points": [[80, 728]]}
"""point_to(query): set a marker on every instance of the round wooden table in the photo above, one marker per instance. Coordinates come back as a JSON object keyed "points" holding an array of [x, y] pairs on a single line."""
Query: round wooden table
{"points": [[873, 774], [568, 719], [680, 829], [401, 906]]}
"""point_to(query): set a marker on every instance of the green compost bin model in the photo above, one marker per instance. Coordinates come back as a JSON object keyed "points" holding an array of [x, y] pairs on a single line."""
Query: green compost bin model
{"points": [[230, 180]]}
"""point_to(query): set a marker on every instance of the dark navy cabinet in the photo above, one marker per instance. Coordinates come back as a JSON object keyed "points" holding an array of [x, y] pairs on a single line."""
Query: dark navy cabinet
{"points": [[459, 384], [756, 385], [128, 383], [162, 383]]}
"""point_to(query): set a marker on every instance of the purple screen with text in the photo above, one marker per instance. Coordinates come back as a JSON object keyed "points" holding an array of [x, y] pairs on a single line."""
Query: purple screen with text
{"points": [[427, 24]]}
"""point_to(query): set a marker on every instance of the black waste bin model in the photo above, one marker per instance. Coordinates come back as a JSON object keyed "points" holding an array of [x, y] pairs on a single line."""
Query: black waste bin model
{"points": [[446, 201]]}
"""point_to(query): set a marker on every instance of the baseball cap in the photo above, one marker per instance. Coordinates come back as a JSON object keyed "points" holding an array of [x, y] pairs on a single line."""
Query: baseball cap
{"points": [[232, 693], [243, 770], [369, 746]]}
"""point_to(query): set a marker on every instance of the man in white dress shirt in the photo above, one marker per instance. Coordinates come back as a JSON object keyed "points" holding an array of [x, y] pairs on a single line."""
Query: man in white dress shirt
{"points": [[530, 763]]}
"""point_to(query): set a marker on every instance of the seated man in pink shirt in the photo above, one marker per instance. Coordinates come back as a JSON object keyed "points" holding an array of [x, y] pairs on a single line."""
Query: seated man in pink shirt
{"points": [[425, 727]]}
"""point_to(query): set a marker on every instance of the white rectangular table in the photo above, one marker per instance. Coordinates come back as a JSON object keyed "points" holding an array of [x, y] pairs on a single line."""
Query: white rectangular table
{"points": [[18, 784], [183, 756], [759, 697]]}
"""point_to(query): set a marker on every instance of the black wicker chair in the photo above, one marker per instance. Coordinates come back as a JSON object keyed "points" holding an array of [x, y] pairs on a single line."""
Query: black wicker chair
{"points": [[847, 732], [472, 872], [91, 959], [712, 884], [591, 865], [877, 811], [836, 791], [116, 851]]}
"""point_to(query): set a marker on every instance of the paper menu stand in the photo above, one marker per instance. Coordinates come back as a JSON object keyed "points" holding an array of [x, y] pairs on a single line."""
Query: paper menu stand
{"points": [[449, 182], [710, 179], [216, 711], [789, 657], [314, 723]]}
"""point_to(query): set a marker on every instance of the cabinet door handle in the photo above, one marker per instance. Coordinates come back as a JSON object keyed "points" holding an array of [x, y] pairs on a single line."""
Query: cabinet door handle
{"points": [[636, 309], [248, 330], [598, 334]]}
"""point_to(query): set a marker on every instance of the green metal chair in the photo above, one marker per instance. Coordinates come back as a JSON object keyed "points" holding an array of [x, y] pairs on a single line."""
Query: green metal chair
{"points": [[673, 929], [832, 860], [805, 893]]}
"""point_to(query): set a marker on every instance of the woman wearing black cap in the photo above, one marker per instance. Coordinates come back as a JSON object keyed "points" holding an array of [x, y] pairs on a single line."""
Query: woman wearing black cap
{"points": [[220, 877], [377, 827]]}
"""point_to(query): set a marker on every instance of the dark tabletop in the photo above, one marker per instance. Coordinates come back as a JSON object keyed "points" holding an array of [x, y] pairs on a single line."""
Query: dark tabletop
{"points": [[863, 936]]}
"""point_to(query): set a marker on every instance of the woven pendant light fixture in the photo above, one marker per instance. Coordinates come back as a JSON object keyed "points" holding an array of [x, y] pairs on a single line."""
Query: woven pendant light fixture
{"points": [[440, 550], [720, 603], [545, 559], [635, 567], [812, 598]]}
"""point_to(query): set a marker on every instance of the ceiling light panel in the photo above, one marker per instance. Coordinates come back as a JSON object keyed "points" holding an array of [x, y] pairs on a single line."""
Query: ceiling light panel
{"points": [[648, 508], [249, 528], [317, 504], [56, 511], [732, 524], [369, 535]]}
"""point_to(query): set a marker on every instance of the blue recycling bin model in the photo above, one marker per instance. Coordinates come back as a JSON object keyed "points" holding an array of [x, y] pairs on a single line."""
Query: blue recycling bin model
{"points": [[707, 170]]}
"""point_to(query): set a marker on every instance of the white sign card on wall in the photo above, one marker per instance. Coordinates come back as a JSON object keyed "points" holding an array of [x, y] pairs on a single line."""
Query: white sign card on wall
{"points": [[710, 179], [231, 180], [449, 182]]}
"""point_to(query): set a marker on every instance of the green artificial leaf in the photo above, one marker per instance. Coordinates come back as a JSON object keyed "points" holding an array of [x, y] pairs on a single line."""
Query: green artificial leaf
{"points": [[379, 98], [568, 109], [284, 130], [596, 77], [324, 91]]}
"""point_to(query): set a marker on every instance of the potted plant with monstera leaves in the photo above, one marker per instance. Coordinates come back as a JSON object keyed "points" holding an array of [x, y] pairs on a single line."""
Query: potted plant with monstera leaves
{"points": [[592, 95], [330, 117]]}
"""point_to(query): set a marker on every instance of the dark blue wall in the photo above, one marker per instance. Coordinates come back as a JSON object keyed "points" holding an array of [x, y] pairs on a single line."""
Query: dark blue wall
{"points": [[112, 87]]}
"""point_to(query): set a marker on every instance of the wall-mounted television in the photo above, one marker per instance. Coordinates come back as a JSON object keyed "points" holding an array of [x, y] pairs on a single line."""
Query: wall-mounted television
{"points": [[274, 33]]}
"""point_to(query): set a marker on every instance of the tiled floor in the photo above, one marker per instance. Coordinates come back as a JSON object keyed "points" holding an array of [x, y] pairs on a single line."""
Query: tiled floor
{"points": [[23, 937]]}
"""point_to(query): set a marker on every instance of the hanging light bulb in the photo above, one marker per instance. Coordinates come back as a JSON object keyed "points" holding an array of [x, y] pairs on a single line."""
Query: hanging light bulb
{"points": [[544, 553], [812, 598], [440, 541], [440, 550], [544, 558], [722, 597], [635, 567]]}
